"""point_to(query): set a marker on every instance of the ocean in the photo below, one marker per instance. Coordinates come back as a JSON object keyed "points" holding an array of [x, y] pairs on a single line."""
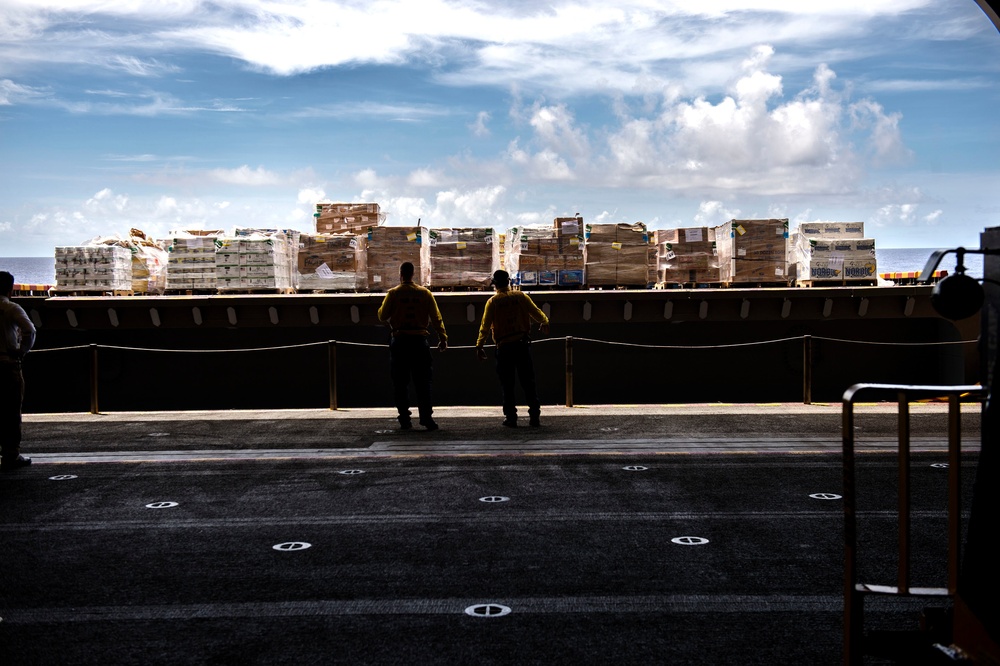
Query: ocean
{"points": [[41, 270]]}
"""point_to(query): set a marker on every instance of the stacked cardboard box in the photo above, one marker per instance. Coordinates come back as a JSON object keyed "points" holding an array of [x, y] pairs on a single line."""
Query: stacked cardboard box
{"points": [[93, 268], [832, 251], [753, 251], [388, 247], [687, 256], [191, 260], [336, 218], [149, 260], [619, 255], [546, 256], [461, 257], [254, 261], [332, 262]]}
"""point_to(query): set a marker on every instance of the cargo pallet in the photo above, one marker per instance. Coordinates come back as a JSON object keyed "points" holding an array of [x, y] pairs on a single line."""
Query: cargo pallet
{"points": [[190, 292], [688, 285], [756, 285], [93, 292], [258, 291], [619, 287], [861, 282]]}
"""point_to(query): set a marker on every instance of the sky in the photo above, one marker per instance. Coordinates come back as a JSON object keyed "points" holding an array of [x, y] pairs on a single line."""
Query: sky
{"points": [[184, 114]]}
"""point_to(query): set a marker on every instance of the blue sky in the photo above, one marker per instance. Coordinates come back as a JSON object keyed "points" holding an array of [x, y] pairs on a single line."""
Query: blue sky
{"points": [[181, 114]]}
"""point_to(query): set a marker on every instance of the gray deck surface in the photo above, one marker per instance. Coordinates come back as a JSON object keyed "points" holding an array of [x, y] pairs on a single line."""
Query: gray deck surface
{"points": [[176, 538]]}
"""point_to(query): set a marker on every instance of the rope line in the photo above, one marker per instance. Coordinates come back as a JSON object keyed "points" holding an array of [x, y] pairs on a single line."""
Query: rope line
{"points": [[543, 340]]}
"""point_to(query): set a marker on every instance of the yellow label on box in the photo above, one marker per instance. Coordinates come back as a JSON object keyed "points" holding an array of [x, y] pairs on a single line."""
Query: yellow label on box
{"points": [[411, 237], [616, 245], [740, 230], [460, 245], [574, 240]]}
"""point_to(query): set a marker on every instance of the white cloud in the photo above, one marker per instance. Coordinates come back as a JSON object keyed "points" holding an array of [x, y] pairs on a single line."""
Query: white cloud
{"points": [[425, 178], [311, 195], [244, 175], [479, 126], [14, 93]]}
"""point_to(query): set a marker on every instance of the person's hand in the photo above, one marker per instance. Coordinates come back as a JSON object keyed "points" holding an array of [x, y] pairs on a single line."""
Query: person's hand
{"points": [[442, 345], [544, 328], [481, 353]]}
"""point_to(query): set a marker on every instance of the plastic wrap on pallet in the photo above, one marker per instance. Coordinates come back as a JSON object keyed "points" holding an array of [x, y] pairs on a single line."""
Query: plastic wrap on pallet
{"points": [[832, 259], [687, 256], [93, 268], [149, 260], [541, 255], [337, 218], [619, 255], [191, 260], [388, 247], [462, 257], [253, 260], [753, 251], [831, 230], [332, 262]]}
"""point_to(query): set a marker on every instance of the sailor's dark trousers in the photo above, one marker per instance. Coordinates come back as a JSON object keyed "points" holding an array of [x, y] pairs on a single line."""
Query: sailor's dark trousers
{"points": [[410, 359]]}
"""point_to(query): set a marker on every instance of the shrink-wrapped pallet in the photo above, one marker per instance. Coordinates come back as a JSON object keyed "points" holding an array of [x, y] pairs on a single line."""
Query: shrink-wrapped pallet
{"points": [[462, 257], [753, 251], [191, 260], [619, 255], [830, 230], [252, 261], [389, 247], [332, 262], [687, 256], [544, 256], [336, 218], [93, 268], [834, 259]]}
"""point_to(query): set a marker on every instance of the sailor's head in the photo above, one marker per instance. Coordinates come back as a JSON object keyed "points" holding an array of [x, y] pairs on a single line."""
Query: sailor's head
{"points": [[501, 279]]}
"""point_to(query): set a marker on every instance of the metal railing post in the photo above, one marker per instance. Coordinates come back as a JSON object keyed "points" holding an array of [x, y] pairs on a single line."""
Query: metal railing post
{"points": [[93, 379], [807, 369], [332, 372], [569, 371]]}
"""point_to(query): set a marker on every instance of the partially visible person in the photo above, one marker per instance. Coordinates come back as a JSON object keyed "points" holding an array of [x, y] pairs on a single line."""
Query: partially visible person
{"points": [[410, 310], [507, 319], [17, 337]]}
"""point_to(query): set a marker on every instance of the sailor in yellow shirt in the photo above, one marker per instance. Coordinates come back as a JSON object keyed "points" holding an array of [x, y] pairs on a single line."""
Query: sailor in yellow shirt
{"points": [[410, 310], [507, 319]]}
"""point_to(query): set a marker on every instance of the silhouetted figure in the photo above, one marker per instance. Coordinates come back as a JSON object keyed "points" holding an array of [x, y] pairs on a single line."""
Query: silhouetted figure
{"points": [[507, 319], [17, 337], [410, 310]]}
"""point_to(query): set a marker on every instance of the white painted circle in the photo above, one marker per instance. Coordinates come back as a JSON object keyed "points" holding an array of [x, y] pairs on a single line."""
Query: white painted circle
{"points": [[939, 465], [635, 468], [487, 610], [825, 496], [291, 545], [351, 471], [62, 477], [494, 498], [158, 434], [690, 541], [609, 429], [161, 505]]}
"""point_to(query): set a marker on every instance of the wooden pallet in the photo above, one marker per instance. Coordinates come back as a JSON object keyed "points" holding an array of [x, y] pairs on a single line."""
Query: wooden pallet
{"points": [[620, 287], [862, 282], [100, 294], [688, 285], [190, 292], [279, 291], [755, 285]]}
